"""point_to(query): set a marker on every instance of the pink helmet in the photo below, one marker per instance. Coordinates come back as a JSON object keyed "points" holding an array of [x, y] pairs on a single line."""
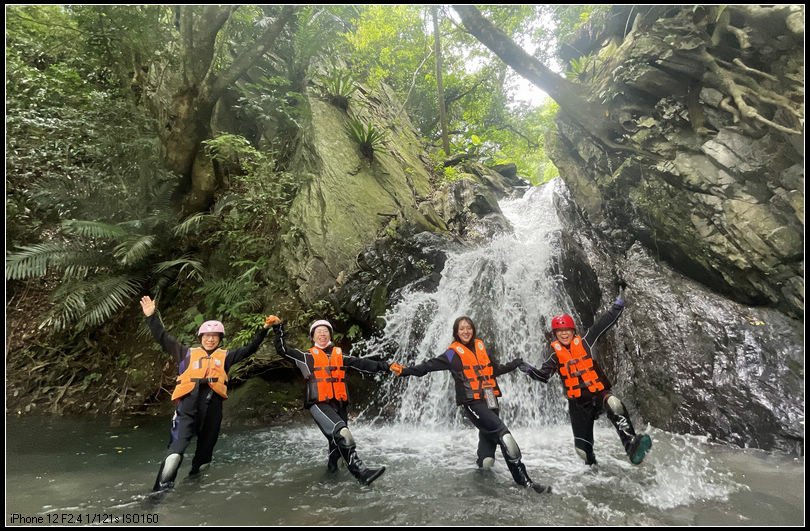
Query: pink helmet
{"points": [[211, 327], [562, 322], [322, 322]]}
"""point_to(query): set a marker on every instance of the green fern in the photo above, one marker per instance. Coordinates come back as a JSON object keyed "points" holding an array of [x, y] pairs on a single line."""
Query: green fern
{"points": [[90, 303], [42, 258], [94, 229], [134, 249], [338, 86], [369, 138], [193, 269]]}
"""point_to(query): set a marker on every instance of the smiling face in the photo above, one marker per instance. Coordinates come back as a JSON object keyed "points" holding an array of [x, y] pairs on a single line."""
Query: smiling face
{"points": [[321, 336], [465, 331], [564, 336], [210, 341]]}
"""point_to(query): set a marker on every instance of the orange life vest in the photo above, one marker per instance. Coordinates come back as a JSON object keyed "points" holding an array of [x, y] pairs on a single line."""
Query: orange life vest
{"points": [[576, 368], [477, 369], [203, 368], [328, 374]]}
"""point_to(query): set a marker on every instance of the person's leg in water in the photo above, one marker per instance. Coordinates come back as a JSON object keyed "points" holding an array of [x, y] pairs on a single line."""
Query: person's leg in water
{"points": [[184, 426], [332, 422], [636, 446], [210, 411], [491, 426], [582, 416], [487, 443]]}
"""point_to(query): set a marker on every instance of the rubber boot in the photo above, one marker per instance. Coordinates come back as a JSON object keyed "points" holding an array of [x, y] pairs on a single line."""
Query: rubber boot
{"points": [[357, 468], [518, 470], [334, 457], [638, 448], [168, 472], [485, 462]]}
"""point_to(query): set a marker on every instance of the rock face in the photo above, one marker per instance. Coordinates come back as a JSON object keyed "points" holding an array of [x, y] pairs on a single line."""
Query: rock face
{"points": [[716, 194], [467, 212], [349, 200], [683, 357], [700, 363]]}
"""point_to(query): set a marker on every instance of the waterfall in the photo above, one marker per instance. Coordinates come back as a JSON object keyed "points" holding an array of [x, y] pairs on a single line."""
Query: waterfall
{"points": [[507, 287]]}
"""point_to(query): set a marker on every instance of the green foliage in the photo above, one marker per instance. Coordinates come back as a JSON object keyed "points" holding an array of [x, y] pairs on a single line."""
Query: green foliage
{"points": [[338, 86], [578, 68], [233, 150], [451, 174], [368, 137]]}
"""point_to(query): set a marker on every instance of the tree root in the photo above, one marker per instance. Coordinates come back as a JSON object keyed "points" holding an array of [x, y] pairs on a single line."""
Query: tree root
{"points": [[724, 80]]}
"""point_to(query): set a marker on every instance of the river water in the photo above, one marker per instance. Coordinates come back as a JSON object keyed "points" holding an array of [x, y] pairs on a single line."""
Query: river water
{"points": [[63, 468], [60, 469]]}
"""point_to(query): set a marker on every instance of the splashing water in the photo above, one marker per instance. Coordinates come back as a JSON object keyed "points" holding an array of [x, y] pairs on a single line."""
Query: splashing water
{"points": [[507, 288]]}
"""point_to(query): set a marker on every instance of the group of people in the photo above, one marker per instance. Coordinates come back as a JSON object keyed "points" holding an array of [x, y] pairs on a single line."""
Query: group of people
{"points": [[203, 377]]}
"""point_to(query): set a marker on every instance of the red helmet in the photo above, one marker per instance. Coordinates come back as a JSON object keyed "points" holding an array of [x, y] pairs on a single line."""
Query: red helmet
{"points": [[562, 322]]}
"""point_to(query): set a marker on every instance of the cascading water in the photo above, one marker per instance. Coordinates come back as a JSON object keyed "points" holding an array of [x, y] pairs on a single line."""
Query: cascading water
{"points": [[508, 289]]}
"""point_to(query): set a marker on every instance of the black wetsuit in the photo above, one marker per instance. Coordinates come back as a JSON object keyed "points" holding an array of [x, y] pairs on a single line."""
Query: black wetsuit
{"points": [[585, 409], [492, 431], [199, 412], [330, 415]]}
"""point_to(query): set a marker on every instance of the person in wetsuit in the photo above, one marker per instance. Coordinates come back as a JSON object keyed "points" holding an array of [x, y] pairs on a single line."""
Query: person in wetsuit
{"points": [[477, 390], [586, 386], [202, 386], [324, 369]]}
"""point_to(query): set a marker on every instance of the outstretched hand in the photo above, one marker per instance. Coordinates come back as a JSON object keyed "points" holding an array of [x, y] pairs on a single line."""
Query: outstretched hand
{"points": [[525, 367], [271, 320], [147, 305], [396, 368], [620, 299]]}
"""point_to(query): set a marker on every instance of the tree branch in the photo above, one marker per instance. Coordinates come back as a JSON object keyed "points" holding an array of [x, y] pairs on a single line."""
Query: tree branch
{"points": [[215, 85]]}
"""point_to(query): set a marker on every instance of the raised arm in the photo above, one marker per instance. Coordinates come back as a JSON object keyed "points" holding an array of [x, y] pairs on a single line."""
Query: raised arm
{"points": [[166, 341], [238, 354], [604, 323], [285, 350]]}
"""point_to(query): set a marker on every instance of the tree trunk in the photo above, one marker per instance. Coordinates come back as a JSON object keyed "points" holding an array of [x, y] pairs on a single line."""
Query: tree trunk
{"points": [[189, 118], [571, 98], [439, 85]]}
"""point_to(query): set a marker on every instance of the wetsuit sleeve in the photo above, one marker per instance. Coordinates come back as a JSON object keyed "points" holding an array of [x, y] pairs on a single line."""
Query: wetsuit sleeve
{"points": [[238, 354], [549, 367], [365, 365], [284, 350], [436, 364], [503, 368], [602, 325], [166, 341]]}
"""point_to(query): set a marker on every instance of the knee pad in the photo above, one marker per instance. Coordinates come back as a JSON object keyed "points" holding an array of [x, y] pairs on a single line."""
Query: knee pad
{"points": [[170, 465], [582, 454], [615, 405], [343, 437], [510, 446], [487, 462]]}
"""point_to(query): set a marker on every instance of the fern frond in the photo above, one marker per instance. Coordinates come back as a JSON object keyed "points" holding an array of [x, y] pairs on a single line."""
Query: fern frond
{"points": [[94, 229], [107, 297], [192, 223], [134, 249], [89, 303], [192, 268], [38, 259]]}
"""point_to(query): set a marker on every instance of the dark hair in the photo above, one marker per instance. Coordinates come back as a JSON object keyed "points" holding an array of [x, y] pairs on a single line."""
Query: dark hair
{"points": [[456, 325]]}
